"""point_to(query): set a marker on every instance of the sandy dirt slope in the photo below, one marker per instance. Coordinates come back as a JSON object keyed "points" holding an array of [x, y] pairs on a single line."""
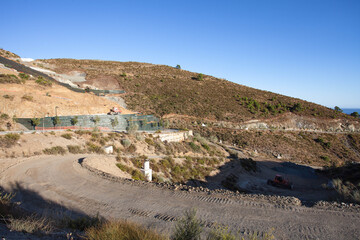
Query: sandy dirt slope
{"points": [[45, 99], [64, 182]]}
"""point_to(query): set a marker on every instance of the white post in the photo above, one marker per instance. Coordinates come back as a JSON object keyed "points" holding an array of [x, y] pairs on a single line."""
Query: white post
{"points": [[147, 171]]}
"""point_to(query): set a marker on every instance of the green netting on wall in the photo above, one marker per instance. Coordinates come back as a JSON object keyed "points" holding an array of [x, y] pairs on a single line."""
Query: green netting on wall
{"points": [[107, 122]]}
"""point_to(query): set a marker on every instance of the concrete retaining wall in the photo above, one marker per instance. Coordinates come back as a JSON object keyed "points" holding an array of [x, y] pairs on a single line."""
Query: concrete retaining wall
{"points": [[103, 122], [174, 136]]}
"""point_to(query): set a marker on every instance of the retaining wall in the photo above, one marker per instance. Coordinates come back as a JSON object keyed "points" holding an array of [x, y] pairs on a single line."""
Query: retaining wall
{"points": [[102, 122], [174, 136]]}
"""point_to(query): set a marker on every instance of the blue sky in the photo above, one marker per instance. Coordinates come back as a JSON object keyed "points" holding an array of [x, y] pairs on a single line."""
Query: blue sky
{"points": [[309, 49]]}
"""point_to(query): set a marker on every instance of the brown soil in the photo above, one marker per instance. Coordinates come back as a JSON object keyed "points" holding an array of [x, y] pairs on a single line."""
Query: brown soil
{"points": [[45, 99]]}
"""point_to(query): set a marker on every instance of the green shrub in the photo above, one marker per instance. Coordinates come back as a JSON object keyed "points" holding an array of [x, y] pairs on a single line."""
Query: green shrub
{"points": [[194, 147], [83, 132], [10, 78], [325, 158], [188, 227], [56, 120], [10, 97], [35, 121], [206, 147], [27, 98], [4, 116], [24, 76], [124, 168], [55, 150], [132, 128], [355, 114], [131, 149], [121, 230], [137, 175], [347, 193], [296, 107], [93, 148], [43, 82], [67, 135], [9, 139], [82, 223], [114, 122], [149, 141], [337, 109], [74, 120], [74, 149], [126, 142], [200, 77]]}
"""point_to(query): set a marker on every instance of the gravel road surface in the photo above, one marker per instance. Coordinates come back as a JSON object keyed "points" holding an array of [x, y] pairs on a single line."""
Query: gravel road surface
{"points": [[54, 183]]}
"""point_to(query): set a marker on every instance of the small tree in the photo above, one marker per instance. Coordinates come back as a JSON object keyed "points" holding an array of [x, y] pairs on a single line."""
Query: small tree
{"points": [[355, 114], [178, 66], [338, 109], [114, 122], [74, 120], [296, 108], [35, 122], [56, 121], [96, 120], [200, 77]]}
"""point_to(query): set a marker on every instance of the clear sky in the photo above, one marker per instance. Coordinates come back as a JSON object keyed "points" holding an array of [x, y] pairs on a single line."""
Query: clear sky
{"points": [[309, 49]]}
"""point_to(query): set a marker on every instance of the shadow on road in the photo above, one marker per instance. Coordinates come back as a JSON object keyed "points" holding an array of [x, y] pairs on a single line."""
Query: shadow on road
{"points": [[30, 202], [239, 174]]}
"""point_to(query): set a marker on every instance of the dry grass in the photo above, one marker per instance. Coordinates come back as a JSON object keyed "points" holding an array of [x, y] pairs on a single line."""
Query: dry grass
{"points": [[30, 224], [346, 180], [121, 230], [55, 150]]}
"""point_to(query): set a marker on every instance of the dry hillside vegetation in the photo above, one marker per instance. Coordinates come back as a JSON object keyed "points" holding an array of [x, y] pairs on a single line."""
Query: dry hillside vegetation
{"points": [[320, 149], [8, 54], [160, 90]]}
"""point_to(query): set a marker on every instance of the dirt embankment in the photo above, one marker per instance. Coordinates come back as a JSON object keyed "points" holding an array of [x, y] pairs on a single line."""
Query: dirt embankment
{"points": [[33, 100]]}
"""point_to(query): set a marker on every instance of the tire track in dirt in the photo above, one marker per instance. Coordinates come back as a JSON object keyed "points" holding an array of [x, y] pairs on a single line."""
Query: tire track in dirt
{"points": [[162, 206]]}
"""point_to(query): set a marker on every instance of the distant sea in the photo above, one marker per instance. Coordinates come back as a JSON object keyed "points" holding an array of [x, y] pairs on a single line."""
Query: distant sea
{"points": [[350, 110]]}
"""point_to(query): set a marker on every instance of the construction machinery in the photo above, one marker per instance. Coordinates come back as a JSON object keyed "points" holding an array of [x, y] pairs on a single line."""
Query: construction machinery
{"points": [[114, 111], [280, 181]]}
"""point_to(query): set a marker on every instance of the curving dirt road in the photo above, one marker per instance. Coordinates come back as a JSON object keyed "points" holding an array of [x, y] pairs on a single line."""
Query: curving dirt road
{"points": [[64, 184]]}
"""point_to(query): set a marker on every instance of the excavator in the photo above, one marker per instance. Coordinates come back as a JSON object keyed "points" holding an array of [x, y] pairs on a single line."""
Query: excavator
{"points": [[281, 182], [114, 111]]}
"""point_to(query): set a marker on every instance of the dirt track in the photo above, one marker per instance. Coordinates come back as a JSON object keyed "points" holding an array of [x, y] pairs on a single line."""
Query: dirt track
{"points": [[64, 183]]}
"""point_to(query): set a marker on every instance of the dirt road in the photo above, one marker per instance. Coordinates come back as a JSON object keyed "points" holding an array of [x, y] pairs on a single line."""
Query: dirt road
{"points": [[48, 184]]}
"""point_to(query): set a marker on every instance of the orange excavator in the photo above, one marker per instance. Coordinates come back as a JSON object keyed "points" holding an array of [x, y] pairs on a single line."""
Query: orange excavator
{"points": [[280, 181]]}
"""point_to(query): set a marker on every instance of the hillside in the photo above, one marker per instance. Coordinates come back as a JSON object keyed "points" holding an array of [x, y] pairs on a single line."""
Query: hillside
{"points": [[25, 96], [281, 126], [161, 90]]}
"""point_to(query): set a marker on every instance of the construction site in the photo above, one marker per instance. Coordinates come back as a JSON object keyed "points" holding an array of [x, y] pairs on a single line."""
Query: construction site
{"points": [[77, 149]]}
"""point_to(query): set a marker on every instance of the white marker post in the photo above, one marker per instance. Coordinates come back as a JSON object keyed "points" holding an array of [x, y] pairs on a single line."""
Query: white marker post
{"points": [[147, 171]]}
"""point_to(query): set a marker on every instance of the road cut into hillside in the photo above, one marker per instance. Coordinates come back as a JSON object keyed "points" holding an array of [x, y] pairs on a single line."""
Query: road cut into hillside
{"points": [[54, 184]]}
